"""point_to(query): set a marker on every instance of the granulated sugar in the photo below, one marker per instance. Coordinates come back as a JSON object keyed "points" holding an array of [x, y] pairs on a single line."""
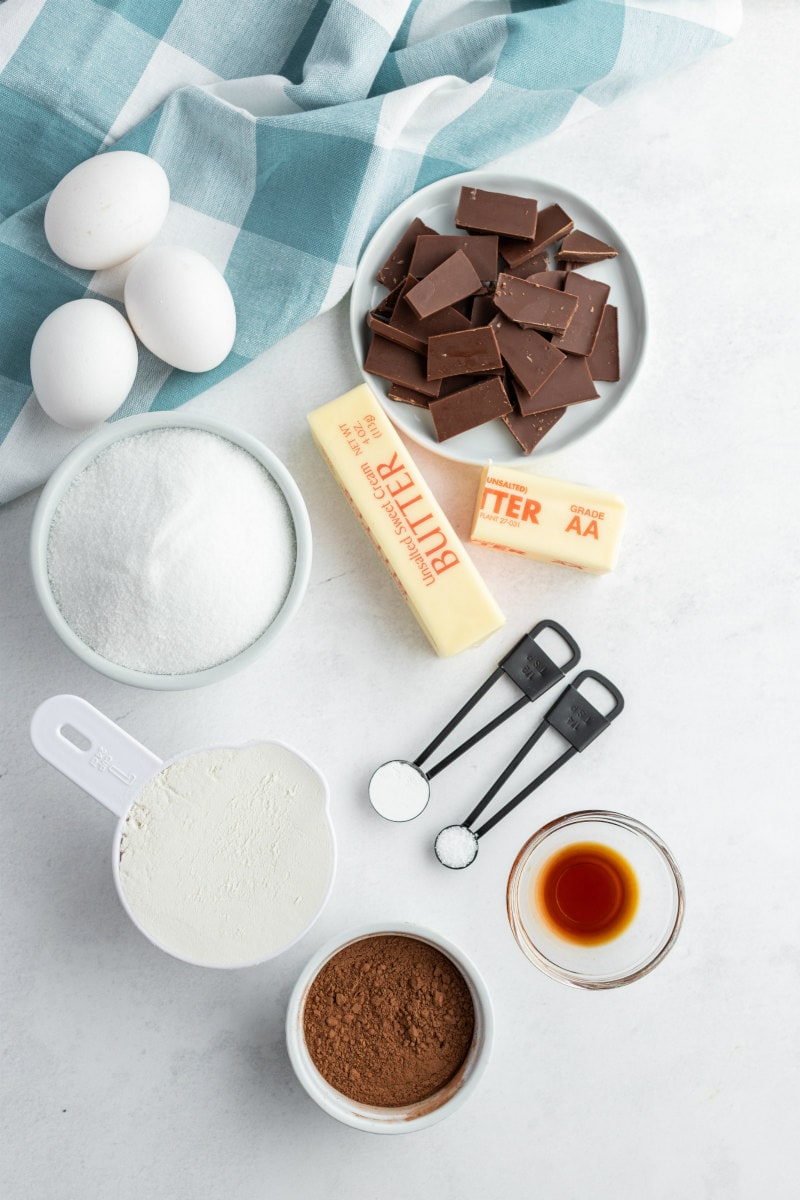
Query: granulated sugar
{"points": [[171, 552], [227, 854]]}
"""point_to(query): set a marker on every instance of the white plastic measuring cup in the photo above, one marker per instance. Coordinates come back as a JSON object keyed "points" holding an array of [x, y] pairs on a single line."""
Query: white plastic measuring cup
{"points": [[83, 744]]}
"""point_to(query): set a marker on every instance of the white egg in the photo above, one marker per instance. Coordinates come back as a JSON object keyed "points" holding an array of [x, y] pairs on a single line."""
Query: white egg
{"points": [[181, 307], [106, 209], [83, 363]]}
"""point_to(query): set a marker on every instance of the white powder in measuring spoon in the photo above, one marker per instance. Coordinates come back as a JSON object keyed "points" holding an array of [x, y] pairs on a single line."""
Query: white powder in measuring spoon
{"points": [[171, 552], [227, 855], [456, 847]]}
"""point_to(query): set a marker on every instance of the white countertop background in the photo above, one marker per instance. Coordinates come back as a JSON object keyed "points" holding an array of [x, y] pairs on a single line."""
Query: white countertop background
{"points": [[126, 1074]]}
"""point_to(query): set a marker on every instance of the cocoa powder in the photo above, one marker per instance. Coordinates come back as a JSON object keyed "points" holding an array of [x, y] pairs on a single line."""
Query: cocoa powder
{"points": [[388, 1020]]}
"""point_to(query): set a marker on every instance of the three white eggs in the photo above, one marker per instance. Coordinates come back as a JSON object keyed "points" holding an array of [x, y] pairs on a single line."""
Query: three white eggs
{"points": [[84, 359]]}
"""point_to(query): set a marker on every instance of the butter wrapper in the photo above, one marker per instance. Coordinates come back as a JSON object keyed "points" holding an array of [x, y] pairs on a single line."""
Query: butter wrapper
{"points": [[548, 520], [405, 522]]}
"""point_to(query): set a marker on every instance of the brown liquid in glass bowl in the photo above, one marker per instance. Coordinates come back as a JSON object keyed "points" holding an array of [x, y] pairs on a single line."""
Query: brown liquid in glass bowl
{"points": [[587, 893]]}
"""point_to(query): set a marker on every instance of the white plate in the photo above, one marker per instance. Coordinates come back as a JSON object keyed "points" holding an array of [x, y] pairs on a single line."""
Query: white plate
{"points": [[436, 205]]}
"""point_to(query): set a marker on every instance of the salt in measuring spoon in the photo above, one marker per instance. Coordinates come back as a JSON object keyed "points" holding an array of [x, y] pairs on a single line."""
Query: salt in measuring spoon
{"points": [[577, 721], [399, 790]]}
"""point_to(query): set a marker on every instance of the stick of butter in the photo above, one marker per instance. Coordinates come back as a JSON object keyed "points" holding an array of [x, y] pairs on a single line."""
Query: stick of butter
{"points": [[548, 520], [408, 528]]}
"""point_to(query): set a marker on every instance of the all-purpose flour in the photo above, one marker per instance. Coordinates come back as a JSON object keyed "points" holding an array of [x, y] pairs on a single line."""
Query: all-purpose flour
{"points": [[171, 552], [227, 855]]}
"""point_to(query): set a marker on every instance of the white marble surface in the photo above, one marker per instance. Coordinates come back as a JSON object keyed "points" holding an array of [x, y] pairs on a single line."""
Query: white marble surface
{"points": [[127, 1074]]}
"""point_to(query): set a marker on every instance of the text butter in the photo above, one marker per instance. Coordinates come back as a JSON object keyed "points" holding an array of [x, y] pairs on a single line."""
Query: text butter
{"points": [[548, 520], [404, 520]]}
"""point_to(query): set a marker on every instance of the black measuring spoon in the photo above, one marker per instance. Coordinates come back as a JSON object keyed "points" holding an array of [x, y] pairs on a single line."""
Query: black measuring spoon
{"points": [[577, 721], [399, 790]]}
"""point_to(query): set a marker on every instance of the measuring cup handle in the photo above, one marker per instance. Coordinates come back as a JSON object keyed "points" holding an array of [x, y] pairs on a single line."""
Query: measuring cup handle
{"points": [[83, 744]]}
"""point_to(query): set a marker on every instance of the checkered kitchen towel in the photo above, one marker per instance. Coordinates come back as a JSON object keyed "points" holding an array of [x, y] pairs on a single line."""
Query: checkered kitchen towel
{"points": [[288, 129]]}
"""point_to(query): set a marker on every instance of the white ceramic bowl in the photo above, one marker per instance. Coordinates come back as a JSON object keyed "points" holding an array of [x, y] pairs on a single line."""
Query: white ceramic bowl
{"points": [[79, 459], [412, 1117], [436, 205]]}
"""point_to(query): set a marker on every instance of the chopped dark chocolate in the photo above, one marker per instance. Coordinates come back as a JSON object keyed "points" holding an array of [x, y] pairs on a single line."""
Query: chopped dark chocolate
{"points": [[399, 365], [533, 305], [396, 266], [529, 431], [431, 251], [384, 310], [483, 310], [537, 265], [457, 383], [451, 281], [570, 383], [604, 360], [472, 406], [407, 395], [447, 321], [393, 334], [516, 250], [469, 352], [551, 279], [582, 247], [552, 224], [496, 212], [530, 356], [463, 337], [591, 296]]}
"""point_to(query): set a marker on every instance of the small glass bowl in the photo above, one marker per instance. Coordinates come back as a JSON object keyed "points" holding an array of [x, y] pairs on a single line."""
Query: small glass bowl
{"points": [[641, 945]]}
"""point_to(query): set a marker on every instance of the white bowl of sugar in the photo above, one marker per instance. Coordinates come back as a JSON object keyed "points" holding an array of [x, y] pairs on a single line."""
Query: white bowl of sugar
{"points": [[168, 551]]}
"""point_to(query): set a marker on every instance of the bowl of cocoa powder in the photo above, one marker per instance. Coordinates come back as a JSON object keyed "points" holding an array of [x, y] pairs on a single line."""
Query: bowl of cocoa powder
{"points": [[389, 1030]]}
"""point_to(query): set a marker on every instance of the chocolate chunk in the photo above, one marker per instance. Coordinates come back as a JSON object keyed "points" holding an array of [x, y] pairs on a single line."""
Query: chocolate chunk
{"points": [[407, 395], [537, 265], [591, 296], [384, 329], [534, 306], [552, 224], [582, 247], [384, 310], [396, 265], [399, 365], [457, 383], [530, 356], [496, 212], [451, 281], [472, 406], [529, 431], [431, 251], [551, 279], [470, 352], [516, 251], [603, 362], [404, 317], [483, 310], [570, 383]]}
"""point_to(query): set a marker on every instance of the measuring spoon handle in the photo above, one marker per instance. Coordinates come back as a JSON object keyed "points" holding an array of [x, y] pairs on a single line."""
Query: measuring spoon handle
{"points": [[83, 744]]}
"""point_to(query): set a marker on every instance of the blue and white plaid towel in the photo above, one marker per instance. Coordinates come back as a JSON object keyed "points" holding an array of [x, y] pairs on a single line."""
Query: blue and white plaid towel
{"points": [[288, 129]]}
